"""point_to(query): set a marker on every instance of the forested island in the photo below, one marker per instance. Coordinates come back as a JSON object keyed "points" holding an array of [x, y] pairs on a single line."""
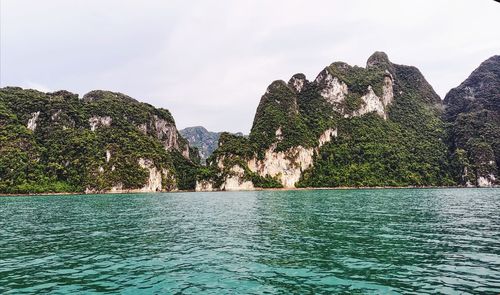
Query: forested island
{"points": [[379, 125]]}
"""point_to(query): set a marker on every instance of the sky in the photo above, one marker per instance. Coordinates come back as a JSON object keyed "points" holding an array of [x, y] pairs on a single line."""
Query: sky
{"points": [[210, 61]]}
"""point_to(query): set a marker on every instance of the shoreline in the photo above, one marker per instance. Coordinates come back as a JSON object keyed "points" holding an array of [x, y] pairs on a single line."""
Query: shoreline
{"points": [[233, 191]]}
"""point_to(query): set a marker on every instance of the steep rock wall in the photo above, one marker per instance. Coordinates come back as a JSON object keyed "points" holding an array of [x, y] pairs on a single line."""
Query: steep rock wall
{"points": [[235, 180], [335, 91], [285, 166], [32, 121]]}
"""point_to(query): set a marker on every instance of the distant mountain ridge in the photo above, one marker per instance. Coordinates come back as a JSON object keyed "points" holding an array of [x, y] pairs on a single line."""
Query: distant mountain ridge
{"points": [[206, 141]]}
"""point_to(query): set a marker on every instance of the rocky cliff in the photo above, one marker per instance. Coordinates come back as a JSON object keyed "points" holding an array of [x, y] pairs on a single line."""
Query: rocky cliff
{"points": [[378, 125], [473, 112], [351, 126], [106, 141]]}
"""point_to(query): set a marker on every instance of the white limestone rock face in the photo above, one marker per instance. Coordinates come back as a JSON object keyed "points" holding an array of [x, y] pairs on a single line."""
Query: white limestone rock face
{"points": [[469, 93], [287, 166], [464, 176], [108, 156], [388, 90], [334, 91], [32, 121], [97, 121], [204, 186], [327, 136], [153, 183], [297, 83], [55, 115], [235, 182], [118, 188], [373, 103], [279, 134], [89, 190], [143, 128], [185, 152], [166, 132], [220, 163], [486, 181]]}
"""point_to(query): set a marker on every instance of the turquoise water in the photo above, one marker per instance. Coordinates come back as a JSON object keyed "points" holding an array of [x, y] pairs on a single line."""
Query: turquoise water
{"points": [[268, 242]]}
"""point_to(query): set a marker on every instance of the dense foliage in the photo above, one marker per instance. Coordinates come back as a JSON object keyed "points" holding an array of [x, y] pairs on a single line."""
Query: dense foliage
{"points": [[407, 148], [278, 120], [233, 151], [57, 142], [473, 116], [370, 151], [63, 154]]}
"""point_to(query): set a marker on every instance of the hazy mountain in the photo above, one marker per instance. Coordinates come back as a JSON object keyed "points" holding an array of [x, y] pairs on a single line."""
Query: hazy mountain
{"points": [[206, 141]]}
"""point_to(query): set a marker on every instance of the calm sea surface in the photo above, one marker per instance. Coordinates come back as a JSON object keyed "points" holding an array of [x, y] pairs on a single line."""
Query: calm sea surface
{"points": [[268, 242]]}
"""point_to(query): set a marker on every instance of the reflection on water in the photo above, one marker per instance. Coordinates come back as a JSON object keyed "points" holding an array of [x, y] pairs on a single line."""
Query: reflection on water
{"points": [[326, 241]]}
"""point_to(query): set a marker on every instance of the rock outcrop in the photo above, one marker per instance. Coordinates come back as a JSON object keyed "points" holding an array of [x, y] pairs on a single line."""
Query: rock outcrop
{"points": [[286, 166], [105, 142], [473, 111], [32, 121], [234, 180], [378, 125], [300, 127], [97, 121]]}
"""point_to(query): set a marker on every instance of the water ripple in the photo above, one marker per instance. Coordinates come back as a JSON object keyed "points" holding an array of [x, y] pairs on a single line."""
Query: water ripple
{"points": [[361, 241]]}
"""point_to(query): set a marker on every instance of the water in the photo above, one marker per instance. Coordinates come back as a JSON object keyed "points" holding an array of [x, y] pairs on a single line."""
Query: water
{"points": [[272, 242]]}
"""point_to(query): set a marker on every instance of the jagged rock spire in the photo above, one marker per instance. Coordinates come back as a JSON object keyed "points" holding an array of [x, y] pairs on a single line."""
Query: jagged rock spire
{"points": [[297, 82]]}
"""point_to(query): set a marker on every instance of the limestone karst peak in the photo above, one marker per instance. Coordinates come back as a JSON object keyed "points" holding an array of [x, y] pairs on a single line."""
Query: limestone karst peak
{"points": [[378, 58], [331, 132], [105, 94], [297, 82]]}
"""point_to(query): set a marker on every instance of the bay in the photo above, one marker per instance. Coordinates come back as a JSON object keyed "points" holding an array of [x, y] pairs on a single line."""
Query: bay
{"points": [[384, 241]]}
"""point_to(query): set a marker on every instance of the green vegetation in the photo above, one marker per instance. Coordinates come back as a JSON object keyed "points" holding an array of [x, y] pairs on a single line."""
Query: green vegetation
{"points": [[97, 142], [278, 110], [408, 148], [234, 150], [358, 79], [317, 113], [473, 118], [185, 171], [62, 154], [370, 151]]}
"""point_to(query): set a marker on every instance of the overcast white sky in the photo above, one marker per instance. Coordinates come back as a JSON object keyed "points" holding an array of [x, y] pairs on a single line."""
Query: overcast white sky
{"points": [[210, 61]]}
